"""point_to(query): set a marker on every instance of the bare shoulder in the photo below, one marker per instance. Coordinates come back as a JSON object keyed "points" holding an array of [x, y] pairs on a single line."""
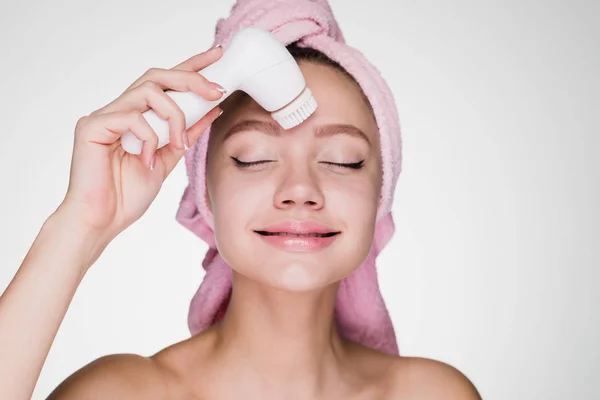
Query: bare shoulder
{"points": [[117, 376], [423, 379]]}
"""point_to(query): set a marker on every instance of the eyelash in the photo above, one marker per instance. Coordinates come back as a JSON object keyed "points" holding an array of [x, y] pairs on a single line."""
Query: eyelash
{"points": [[241, 164]]}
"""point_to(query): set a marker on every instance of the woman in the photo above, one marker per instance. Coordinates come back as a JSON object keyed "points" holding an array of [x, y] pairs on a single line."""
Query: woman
{"points": [[278, 337]]}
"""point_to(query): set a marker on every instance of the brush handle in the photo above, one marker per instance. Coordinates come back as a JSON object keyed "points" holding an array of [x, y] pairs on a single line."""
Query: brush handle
{"points": [[194, 107], [255, 62]]}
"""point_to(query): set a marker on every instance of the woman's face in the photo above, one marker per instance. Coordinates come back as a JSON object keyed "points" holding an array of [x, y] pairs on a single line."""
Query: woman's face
{"points": [[298, 181]]}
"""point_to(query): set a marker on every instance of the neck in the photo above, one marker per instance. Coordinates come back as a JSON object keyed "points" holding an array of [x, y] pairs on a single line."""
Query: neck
{"points": [[278, 340]]}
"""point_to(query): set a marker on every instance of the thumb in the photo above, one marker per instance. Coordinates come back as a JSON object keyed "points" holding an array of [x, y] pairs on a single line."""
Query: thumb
{"points": [[199, 127], [172, 155]]}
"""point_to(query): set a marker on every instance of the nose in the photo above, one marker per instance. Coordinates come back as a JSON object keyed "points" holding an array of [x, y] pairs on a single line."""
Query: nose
{"points": [[299, 188]]}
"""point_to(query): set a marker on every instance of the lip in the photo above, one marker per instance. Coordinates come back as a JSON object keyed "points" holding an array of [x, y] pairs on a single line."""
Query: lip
{"points": [[299, 243], [299, 227]]}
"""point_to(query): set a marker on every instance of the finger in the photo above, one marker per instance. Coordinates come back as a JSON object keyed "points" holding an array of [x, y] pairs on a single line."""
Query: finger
{"points": [[196, 130], [149, 96], [185, 81], [182, 81], [171, 155], [160, 79], [165, 107], [192, 64], [107, 128], [202, 60]]}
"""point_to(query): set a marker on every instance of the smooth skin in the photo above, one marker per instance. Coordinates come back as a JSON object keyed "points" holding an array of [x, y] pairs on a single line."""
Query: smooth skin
{"points": [[290, 354], [108, 190]]}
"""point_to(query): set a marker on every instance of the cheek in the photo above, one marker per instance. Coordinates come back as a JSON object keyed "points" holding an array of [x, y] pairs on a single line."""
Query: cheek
{"points": [[237, 197], [356, 206], [238, 205], [353, 196]]}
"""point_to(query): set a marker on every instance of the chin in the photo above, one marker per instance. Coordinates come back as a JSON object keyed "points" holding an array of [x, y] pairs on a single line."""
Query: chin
{"points": [[289, 274], [300, 276]]}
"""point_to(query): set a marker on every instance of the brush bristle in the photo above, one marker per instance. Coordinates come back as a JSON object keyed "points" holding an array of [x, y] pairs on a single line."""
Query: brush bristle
{"points": [[297, 111]]}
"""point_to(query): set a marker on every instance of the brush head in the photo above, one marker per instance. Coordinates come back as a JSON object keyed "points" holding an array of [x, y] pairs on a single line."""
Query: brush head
{"points": [[297, 111]]}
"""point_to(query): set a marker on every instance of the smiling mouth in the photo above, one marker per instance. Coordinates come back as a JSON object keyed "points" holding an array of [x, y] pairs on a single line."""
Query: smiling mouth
{"points": [[265, 233]]}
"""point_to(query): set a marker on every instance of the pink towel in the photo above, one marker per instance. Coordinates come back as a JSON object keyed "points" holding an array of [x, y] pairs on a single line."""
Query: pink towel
{"points": [[360, 311]]}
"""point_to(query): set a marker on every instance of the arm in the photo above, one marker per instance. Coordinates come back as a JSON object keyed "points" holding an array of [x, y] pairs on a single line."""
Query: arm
{"points": [[109, 190], [35, 302]]}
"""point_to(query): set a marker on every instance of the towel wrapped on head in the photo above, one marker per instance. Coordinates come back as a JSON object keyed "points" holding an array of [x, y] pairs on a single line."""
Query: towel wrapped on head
{"points": [[360, 311]]}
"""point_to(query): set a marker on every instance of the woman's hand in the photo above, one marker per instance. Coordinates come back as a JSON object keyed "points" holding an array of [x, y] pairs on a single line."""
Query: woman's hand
{"points": [[109, 189]]}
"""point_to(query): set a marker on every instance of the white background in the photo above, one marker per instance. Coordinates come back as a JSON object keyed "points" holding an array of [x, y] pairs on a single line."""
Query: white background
{"points": [[494, 266]]}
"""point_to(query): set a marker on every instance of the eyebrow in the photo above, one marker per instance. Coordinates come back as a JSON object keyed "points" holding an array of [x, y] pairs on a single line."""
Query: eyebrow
{"points": [[272, 128]]}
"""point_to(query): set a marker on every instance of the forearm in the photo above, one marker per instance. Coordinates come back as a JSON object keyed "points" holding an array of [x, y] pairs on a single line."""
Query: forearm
{"points": [[36, 301]]}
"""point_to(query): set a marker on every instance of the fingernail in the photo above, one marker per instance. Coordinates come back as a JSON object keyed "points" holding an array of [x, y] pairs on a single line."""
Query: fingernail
{"points": [[153, 162], [218, 87], [186, 140], [220, 113], [216, 45]]}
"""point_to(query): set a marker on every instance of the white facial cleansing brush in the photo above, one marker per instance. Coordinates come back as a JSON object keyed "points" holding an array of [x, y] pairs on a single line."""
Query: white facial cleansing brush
{"points": [[256, 62]]}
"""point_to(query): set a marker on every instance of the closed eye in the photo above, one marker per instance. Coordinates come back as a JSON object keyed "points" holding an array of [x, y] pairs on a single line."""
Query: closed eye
{"points": [[356, 165], [242, 164]]}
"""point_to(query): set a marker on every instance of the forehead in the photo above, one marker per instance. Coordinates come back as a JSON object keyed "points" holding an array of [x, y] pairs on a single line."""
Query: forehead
{"points": [[339, 100]]}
